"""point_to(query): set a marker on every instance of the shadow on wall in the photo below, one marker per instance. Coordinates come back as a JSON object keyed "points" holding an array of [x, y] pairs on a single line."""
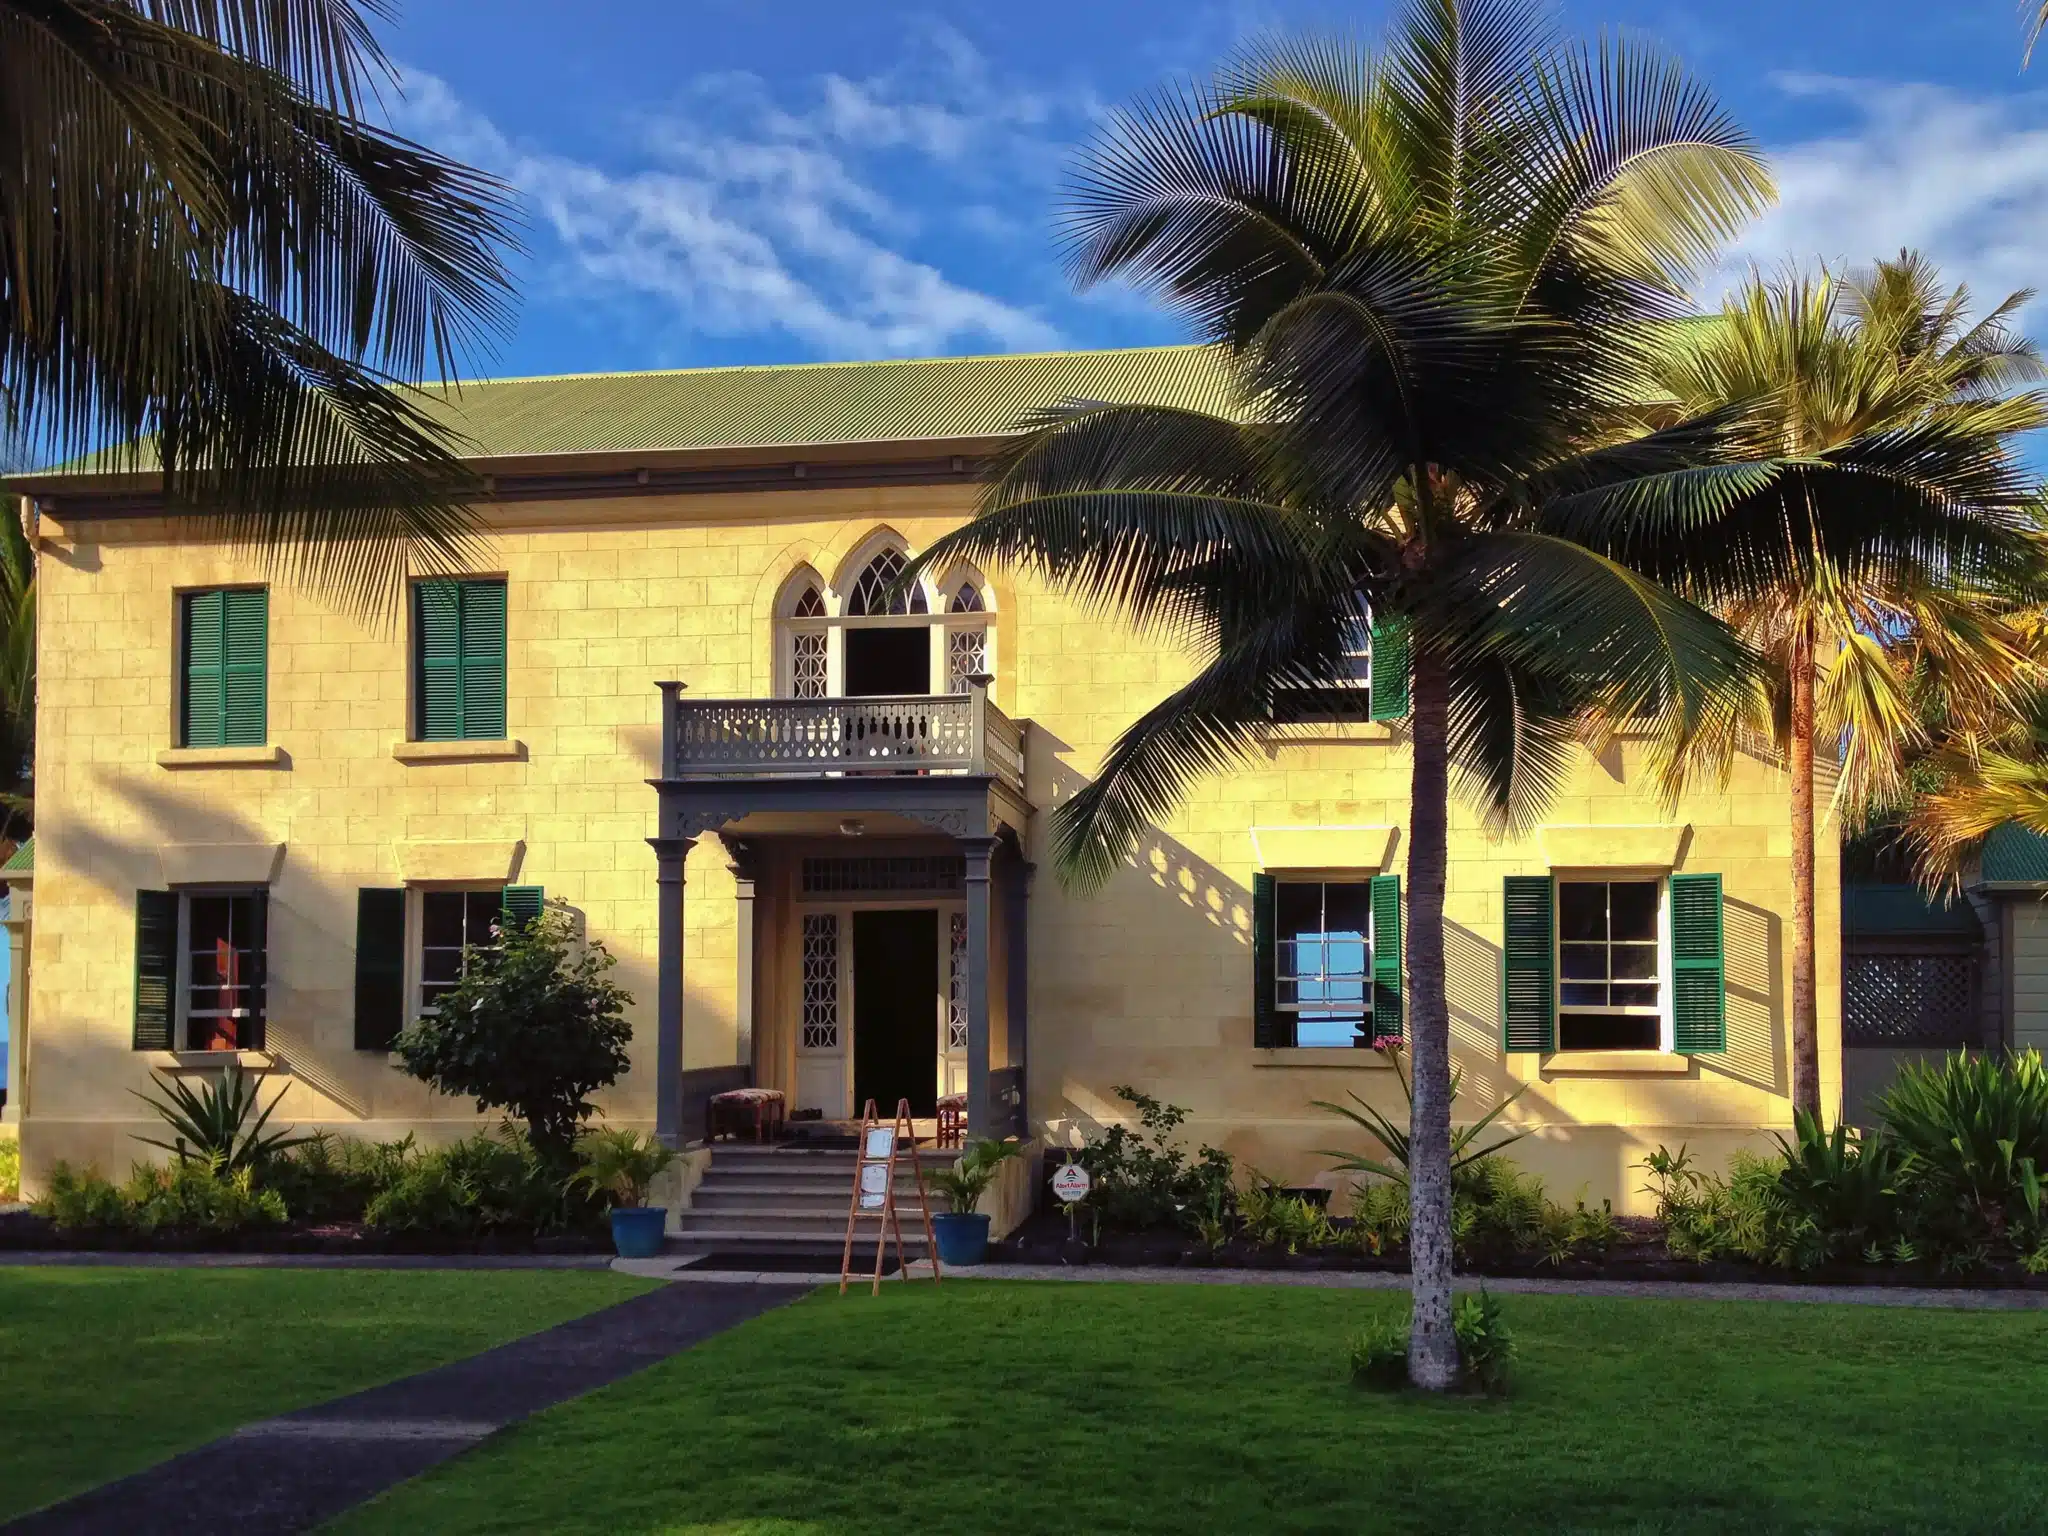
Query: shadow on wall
{"points": [[1753, 944]]}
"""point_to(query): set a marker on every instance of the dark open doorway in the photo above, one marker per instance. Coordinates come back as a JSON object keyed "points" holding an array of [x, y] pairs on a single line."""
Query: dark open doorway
{"points": [[896, 1010], [883, 661]]}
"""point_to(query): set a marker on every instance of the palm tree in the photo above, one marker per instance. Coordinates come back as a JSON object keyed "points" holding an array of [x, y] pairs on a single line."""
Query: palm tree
{"points": [[1430, 274], [1891, 523], [207, 255]]}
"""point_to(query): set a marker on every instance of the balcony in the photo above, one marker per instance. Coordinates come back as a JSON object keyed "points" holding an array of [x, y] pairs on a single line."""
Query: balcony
{"points": [[890, 736]]}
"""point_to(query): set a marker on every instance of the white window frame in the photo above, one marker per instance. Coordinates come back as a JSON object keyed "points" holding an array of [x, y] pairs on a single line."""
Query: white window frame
{"points": [[1559, 879], [182, 1015], [1358, 648], [1367, 1013], [939, 621], [415, 936]]}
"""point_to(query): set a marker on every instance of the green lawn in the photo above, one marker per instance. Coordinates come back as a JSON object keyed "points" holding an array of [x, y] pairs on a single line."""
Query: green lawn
{"points": [[104, 1371], [988, 1407]]}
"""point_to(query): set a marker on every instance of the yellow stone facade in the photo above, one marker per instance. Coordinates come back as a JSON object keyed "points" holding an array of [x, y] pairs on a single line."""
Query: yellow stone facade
{"points": [[1148, 982]]}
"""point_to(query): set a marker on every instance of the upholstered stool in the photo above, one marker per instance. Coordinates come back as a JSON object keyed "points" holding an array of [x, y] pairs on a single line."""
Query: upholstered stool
{"points": [[952, 1120], [757, 1109]]}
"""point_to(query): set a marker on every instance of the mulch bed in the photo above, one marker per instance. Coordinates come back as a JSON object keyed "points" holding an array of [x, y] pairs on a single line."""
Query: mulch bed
{"points": [[1639, 1255], [23, 1231]]}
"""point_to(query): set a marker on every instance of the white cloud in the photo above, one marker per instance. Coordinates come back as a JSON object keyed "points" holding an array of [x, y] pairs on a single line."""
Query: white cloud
{"points": [[740, 216], [1962, 179]]}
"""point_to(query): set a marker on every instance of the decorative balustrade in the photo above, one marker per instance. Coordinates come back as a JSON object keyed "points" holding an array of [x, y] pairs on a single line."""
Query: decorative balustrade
{"points": [[944, 733]]}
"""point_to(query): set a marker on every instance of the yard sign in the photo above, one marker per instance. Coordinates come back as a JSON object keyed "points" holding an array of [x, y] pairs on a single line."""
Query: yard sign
{"points": [[874, 1194]]}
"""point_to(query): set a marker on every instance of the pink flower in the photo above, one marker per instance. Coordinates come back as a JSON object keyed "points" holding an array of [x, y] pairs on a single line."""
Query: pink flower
{"points": [[1386, 1043]]}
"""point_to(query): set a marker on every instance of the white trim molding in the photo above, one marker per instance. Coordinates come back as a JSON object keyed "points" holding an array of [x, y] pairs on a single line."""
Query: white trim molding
{"points": [[1311, 848], [1613, 847], [479, 862], [221, 863]]}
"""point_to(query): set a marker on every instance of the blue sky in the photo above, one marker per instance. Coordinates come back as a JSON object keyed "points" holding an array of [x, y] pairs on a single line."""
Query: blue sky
{"points": [[720, 181]]}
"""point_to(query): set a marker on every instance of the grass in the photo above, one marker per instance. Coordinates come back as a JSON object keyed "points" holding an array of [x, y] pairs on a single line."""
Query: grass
{"points": [[986, 1407], [106, 1371]]}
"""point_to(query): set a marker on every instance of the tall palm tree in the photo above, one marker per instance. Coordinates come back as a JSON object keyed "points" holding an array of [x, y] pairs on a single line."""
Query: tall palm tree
{"points": [[1891, 522], [1430, 272], [209, 256]]}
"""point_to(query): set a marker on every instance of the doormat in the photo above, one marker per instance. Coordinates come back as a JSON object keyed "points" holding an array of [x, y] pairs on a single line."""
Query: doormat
{"points": [[787, 1263]]}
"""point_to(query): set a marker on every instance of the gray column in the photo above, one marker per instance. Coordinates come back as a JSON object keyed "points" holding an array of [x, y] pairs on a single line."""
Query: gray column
{"points": [[977, 851], [1017, 962], [669, 854], [743, 876]]}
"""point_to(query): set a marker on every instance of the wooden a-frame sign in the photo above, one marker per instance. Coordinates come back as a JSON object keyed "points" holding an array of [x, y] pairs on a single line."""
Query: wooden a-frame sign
{"points": [[874, 1194]]}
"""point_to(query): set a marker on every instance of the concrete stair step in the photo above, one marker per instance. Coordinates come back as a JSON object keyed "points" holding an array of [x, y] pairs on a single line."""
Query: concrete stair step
{"points": [[772, 1197], [740, 1238]]}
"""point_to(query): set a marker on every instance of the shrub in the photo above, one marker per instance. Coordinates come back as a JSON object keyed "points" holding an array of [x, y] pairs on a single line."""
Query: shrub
{"points": [[220, 1123], [187, 1197], [1846, 1185], [1486, 1349], [10, 1169], [1379, 1355], [1395, 1137], [1496, 1211], [1272, 1216], [1144, 1180], [80, 1201], [495, 1182], [620, 1163], [1379, 1216], [334, 1178], [1974, 1132], [533, 1028], [431, 1197]]}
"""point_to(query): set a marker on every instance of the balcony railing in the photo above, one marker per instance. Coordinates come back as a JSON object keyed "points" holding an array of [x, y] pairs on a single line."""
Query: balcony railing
{"points": [[902, 733]]}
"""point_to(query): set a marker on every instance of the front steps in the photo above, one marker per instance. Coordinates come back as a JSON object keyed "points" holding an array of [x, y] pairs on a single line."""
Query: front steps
{"points": [[790, 1200]]}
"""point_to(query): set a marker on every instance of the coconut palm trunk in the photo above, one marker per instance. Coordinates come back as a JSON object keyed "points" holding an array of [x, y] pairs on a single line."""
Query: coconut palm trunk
{"points": [[1432, 1347], [1805, 1002]]}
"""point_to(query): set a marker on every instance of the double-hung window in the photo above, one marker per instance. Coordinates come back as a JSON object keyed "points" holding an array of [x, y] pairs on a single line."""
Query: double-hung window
{"points": [[1623, 963], [1371, 681], [1327, 960], [458, 660], [413, 946], [223, 667], [201, 963]]}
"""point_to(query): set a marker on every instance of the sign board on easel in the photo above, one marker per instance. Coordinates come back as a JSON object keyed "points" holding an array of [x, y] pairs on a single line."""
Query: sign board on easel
{"points": [[874, 1194]]}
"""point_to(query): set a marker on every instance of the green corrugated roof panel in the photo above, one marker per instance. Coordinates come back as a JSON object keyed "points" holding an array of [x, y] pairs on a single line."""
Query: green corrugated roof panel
{"points": [[23, 859], [805, 403], [2014, 854], [1872, 909]]}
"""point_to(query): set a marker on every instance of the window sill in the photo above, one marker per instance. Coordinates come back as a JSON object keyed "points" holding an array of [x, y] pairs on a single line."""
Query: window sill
{"points": [[206, 1061], [1322, 1056], [1615, 1063], [1309, 733], [498, 751], [223, 757]]}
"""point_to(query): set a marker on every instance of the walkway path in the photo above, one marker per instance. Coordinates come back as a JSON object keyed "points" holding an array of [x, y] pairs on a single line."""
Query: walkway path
{"points": [[1668, 1290], [292, 1473]]}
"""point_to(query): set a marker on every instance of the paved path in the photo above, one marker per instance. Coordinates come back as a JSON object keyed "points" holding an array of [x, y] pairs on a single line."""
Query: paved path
{"points": [[1666, 1290], [292, 1473], [109, 1257]]}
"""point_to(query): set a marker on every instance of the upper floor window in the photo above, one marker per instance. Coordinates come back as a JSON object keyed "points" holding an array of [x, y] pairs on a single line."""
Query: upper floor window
{"points": [[873, 634], [459, 660], [223, 667]]}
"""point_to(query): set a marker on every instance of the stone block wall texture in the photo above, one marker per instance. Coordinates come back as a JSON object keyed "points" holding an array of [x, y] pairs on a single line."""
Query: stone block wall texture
{"points": [[1146, 982]]}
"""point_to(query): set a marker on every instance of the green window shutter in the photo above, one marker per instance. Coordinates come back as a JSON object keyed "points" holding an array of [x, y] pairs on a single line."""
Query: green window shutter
{"points": [[245, 667], [380, 967], [1386, 955], [523, 903], [202, 714], [1265, 1017], [437, 640], [1529, 1001], [483, 660], [156, 968], [1699, 970], [1389, 664]]}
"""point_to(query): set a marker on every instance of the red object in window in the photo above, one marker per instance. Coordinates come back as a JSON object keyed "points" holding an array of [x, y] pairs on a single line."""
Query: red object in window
{"points": [[225, 1034]]}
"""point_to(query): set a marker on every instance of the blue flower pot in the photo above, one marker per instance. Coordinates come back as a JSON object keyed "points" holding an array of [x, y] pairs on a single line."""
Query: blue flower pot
{"points": [[963, 1239], [637, 1230]]}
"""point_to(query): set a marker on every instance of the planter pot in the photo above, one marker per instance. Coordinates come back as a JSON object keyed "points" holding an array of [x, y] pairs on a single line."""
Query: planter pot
{"points": [[637, 1230], [963, 1238]]}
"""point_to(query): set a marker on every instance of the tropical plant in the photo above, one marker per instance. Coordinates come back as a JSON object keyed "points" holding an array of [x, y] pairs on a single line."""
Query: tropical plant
{"points": [[1849, 1184], [220, 1123], [334, 1178], [208, 256], [1379, 1355], [10, 1169], [1140, 1178], [1880, 518], [1280, 1218], [1975, 1130], [1397, 1139], [533, 1027], [495, 1183], [1486, 1349], [967, 1180], [190, 1198], [621, 1163], [1433, 275]]}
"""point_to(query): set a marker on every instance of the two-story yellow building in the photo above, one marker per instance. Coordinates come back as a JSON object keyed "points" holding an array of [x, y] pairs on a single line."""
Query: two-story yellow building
{"points": [[268, 828]]}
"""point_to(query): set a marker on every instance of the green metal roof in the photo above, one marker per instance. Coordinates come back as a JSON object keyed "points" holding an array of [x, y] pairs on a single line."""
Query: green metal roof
{"points": [[1871, 909], [802, 403], [23, 859], [2014, 855]]}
